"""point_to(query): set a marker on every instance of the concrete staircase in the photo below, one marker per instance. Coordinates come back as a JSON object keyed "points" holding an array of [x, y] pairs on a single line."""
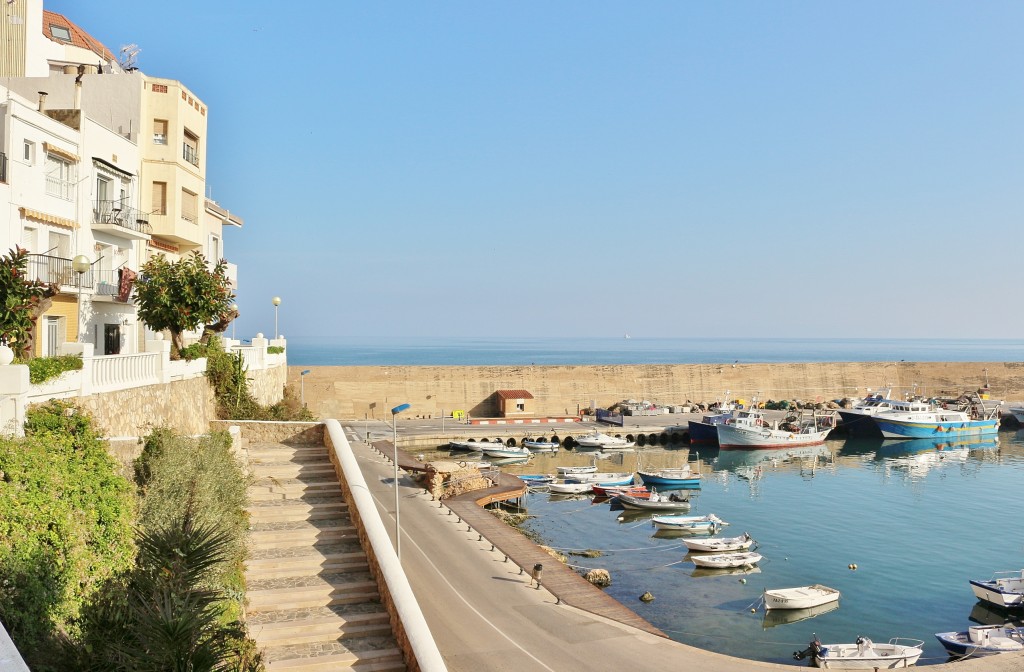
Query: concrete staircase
{"points": [[312, 603]]}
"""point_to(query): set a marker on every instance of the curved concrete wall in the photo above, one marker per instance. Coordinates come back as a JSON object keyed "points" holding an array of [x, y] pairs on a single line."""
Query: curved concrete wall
{"points": [[357, 392]]}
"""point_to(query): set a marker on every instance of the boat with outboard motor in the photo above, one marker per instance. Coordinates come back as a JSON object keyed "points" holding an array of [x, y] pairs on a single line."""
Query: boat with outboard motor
{"points": [[1004, 589], [864, 654], [982, 640], [655, 501]]}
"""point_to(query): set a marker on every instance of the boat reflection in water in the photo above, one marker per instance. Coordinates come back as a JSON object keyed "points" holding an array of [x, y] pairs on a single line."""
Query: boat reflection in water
{"points": [[704, 572], [904, 447], [775, 617], [749, 463], [989, 614]]}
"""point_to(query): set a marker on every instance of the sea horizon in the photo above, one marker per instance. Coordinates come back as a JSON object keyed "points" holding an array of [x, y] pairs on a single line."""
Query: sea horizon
{"points": [[596, 351]]}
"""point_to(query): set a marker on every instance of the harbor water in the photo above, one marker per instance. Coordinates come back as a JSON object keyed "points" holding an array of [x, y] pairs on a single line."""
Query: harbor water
{"points": [[916, 519]]}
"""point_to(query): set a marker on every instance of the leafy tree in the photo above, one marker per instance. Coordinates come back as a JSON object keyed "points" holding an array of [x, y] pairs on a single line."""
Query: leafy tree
{"points": [[23, 301], [182, 295]]}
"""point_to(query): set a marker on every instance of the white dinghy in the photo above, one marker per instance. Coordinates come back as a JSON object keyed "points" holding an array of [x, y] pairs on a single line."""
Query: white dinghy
{"points": [[720, 544], [726, 560], [866, 655], [802, 597]]}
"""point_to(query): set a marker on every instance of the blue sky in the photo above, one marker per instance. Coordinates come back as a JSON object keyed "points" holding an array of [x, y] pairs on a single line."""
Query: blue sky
{"points": [[776, 169]]}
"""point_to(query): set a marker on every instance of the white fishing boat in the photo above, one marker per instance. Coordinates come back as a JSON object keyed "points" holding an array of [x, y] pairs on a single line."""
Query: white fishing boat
{"points": [[567, 488], [540, 446], [720, 544], [982, 640], [802, 597], [575, 471], [499, 450], [471, 446], [688, 523], [750, 429], [726, 560], [1004, 589], [865, 654], [599, 441]]}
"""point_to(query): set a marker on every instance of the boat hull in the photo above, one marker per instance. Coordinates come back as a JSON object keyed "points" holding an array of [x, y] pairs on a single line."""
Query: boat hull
{"points": [[859, 657], [719, 545], [905, 429], [858, 425], [988, 640], [999, 595], [726, 560], [730, 436]]}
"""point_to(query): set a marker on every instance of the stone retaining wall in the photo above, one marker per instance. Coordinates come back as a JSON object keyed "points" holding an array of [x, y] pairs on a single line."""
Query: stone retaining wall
{"points": [[289, 433], [186, 406], [358, 392]]}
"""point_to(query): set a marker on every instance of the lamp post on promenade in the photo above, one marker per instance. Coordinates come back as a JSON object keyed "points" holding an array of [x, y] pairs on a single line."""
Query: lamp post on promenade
{"points": [[302, 387], [394, 442], [277, 302], [80, 265]]}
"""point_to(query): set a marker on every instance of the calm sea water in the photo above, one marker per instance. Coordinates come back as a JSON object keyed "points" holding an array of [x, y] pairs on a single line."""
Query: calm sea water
{"points": [[552, 351], [917, 519]]}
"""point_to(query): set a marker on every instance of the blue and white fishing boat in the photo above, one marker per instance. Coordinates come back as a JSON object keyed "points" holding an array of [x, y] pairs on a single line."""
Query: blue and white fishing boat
{"points": [[982, 640], [709, 523], [1004, 589], [922, 420], [671, 478]]}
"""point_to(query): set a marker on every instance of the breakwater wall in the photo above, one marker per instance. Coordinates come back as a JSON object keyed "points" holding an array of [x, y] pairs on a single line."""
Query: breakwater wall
{"points": [[357, 392]]}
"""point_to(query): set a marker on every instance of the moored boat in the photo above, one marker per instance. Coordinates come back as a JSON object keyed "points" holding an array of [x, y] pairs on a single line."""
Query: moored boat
{"points": [[750, 429], [688, 523], [567, 488], [536, 479], [1004, 589], [471, 446], [603, 477], [599, 441], [573, 471], [655, 501], [982, 640], [922, 420], [865, 654], [726, 560], [671, 477], [612, 490], [540, 446], [498, 450], [705, 431], [720, 544], [802, 597], [857, 422]]}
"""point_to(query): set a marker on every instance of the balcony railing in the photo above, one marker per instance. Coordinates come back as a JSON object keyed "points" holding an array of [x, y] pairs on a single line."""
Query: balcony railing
{"points": [[56, 270], [115, 212], [60, 188], [190, 154]]}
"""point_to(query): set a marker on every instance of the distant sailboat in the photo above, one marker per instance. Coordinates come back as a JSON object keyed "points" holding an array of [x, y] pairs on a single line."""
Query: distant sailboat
{"points": [[627, 336]]}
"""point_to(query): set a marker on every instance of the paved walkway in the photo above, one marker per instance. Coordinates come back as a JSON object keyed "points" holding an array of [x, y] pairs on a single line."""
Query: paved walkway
{"points": [[486, 615]]}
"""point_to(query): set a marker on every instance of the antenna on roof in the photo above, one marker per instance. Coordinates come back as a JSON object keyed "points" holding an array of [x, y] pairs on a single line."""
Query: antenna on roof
{"points": [[129, 53]]}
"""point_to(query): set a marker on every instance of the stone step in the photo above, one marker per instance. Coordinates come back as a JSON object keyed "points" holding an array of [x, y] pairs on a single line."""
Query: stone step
{"points": [[304, 565], [284, 453], [324, 490], [287, 511], [377, 660], [303, 470], [321, 629], [266, 536], [319, 594]]}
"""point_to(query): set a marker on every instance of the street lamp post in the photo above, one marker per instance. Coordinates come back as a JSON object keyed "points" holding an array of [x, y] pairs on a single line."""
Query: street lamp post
{"points": [[234, 318], [277, 302], [302, 387], [394, 442], [80, 265]]}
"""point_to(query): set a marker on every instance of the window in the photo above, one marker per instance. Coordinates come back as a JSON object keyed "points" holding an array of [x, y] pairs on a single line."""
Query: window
{"points": [[60, 177], [159, 88], [60, 32], [159, 198], [28, 238], [60, 243], [29, 153], [190, 148], [214, 251], [159, 131], [189, 206]]}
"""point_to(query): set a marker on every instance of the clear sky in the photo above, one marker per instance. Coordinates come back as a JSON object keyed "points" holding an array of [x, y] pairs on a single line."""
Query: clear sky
{"points": [[778, 169]]}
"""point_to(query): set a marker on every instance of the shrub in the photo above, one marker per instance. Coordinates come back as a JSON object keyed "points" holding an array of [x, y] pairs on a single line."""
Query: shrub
{"points": [[275, 349], [41, 369], [193, 351], [65, 526]]}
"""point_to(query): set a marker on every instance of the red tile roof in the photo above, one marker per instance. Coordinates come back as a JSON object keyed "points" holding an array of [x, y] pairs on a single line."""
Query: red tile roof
{"points": [[79, 37], [514, 394]]}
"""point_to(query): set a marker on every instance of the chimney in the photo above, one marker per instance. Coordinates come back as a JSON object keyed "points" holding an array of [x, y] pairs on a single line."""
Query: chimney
{"points": [[42, 101]]}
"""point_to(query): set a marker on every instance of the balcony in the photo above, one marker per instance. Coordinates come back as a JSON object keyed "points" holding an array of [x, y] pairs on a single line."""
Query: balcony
{"points": [[3, 167], [190, 154], [56, 270], [121, 220], [108, 283]]}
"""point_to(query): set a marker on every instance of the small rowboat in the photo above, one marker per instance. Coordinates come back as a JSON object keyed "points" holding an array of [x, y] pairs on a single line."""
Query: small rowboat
{"points": [[612, 490], [536, 479], [799, 598], [574, 471], [603, 477], [673, 477], [655, 502], [865, 654], [720, 544], [726, 560], [471, 446], [498, 450], [982, 640], [689, 523], [564, 488]]}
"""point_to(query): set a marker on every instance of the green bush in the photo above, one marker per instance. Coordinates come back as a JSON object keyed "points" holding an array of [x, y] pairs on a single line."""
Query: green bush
{"points": [[193, 351], [65, 526], [275, 349], [41, 369], [227, 375]]}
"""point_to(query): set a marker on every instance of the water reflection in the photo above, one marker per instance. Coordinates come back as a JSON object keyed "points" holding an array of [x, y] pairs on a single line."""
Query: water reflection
{"points": [[776, 617]]}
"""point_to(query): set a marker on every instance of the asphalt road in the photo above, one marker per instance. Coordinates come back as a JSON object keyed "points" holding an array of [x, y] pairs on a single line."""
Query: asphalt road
{"points": [[485, 615]]}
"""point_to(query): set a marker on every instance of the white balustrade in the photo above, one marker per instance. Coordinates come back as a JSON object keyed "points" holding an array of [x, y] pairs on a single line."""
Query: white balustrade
{"points": [[121, 372]]}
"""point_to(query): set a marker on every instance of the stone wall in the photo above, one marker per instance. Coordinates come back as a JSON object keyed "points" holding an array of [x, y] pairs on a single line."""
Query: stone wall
{"points": [[267, 385], [186, 406], [358, 392], [290, 433]]}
